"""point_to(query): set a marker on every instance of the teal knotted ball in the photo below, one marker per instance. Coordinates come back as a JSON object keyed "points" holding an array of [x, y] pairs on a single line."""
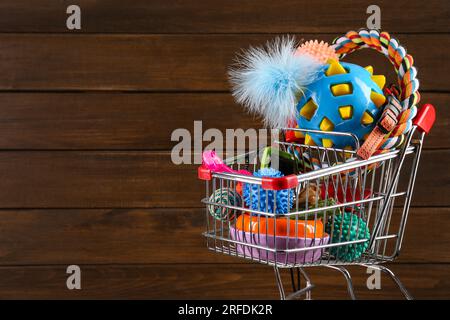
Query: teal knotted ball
{"points": [[353, 228]]}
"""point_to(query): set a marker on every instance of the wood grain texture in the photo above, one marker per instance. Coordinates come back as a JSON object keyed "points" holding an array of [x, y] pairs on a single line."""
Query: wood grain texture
{"points": [[210, 281], [144, 236], [112, 120], [206, 16], [95, 179], [85, 123], [168, 62], [121, 121], [142, 179]]}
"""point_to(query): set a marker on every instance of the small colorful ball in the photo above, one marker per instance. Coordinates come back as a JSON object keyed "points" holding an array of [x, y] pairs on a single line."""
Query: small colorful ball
{"points": [[224, 196], [321, 51], [255, 196], [353, 228]]}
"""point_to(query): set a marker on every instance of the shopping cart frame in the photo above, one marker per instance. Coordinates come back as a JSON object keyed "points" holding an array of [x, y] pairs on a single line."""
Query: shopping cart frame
{"points": [[381, 220]]}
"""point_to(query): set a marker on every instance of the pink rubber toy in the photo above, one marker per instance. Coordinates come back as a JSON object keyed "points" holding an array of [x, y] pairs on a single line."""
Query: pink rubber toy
{"points": [[212, 162]]}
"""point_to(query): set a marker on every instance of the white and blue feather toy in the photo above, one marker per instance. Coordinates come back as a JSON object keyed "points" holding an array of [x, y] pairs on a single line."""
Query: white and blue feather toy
{"points": [[268, 81], [308, 86]]}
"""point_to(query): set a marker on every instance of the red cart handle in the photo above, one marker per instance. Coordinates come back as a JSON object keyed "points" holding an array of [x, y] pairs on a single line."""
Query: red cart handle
{"points": [[425, 118], [279, 183], [267, 183]]}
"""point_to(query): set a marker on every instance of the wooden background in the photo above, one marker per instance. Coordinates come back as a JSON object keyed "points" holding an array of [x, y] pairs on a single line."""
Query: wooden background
{"points": [[85, 124]]}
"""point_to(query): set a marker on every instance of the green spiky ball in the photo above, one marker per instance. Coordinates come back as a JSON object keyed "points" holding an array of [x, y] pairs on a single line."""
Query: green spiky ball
{"points": [[353, 228]]}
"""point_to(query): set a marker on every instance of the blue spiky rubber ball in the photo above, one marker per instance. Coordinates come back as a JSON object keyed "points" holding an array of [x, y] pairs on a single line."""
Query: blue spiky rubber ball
{"points": [[353, 228], [256, 198], [344, 98]]}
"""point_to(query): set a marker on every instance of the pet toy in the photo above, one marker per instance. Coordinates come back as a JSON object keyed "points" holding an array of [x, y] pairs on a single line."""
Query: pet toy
{"points": [[344, 194], [310, 88], [344, 98], [408, 85], [280, 227], [305, 161], [288, 83], [211, 161], [323, 214], [279, 235], [320, 51], [309, 194], [224, 196], [353, 228], [268, 81], [276, 158], [257, 198]]}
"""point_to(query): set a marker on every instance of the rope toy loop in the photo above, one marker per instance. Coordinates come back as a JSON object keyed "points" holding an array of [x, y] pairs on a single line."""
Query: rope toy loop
{"points": [[407, 87]]}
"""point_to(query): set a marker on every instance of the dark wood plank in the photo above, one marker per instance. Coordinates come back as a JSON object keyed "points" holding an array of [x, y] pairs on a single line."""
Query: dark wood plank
{"points": [[96, 179], [438, 136], [222, 16], [210, 281], [166, 62], [116, 121], [112, 120], [424, 235], [142, 179], [132, 236]]}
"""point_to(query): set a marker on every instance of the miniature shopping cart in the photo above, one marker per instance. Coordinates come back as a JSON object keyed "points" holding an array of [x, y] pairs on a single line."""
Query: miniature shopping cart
{"points": [[342, 211]]}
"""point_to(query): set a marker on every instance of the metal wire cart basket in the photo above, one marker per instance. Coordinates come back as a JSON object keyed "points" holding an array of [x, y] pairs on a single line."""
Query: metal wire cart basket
{"points": [[332, 208], [341, 213]]}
